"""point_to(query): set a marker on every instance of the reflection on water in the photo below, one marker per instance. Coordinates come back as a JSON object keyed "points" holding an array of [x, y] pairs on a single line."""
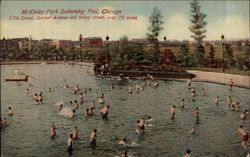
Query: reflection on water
{"points": [[29, 130]]}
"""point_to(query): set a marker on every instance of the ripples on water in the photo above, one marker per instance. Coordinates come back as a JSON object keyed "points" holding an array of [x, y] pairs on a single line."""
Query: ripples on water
{"points": [[29, 130]]}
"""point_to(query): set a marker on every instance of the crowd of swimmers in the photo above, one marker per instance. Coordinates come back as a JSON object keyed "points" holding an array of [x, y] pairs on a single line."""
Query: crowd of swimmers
{"points": [[141, 123]]}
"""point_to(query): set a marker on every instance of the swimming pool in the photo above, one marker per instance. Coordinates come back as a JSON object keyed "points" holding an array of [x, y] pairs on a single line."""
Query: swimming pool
{"points": [[29, 131]]}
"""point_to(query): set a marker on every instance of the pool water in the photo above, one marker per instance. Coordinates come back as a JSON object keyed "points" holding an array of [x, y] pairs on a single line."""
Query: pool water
{"points": [[28, 134]]}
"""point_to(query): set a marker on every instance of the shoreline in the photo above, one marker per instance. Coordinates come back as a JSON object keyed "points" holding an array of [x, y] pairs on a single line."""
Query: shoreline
{"points": [[221, 78], [200, 76]]}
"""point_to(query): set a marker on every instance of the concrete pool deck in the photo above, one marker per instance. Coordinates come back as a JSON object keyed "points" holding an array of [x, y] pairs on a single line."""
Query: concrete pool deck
{"points": [[222, 78]]}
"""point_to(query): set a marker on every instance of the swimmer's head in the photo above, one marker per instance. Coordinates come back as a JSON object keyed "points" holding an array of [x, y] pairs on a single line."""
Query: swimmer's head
{"points": [[87, 109], [183, 99], [138, 121], [108, 106], [74, 111], [95, 130], [241, 126], [125, 139], [245, 110], [149, 117], [75, 100], [9, 108], [35, 94], [125, 152], [188, 151], [173, 106], [71, 102]]}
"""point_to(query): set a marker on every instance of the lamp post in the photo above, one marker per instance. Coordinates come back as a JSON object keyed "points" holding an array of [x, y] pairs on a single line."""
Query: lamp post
{"points": [[4, 46], [165, 38], [80, 42], [222, 53], [107, 43], [27, 42]]}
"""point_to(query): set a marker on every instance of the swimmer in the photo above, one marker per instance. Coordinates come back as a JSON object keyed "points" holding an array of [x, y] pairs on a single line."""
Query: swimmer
{"points": [[189, 82], [102, 96], [53, 131], [196, 113], [246, 111], [10, 112], [71, 103], [104, 111], [140, 126], [85, 90], [130, 90], [243, 115], [40, 97], [88, 71], [173, 112], [124, 153], [193, 130], [92, 138], [236, 106], [229, 101], [27, 91], [4, 122], [81, 98], [77, 88], [70, 143], [60, 107], [149, 119], [72, 114], [193, 90], [66, 86], [182, 103], [93, 105], [202, 91], [112, 86], [90, 89], [216, 100], [88, 112], [76, 104], [123, 141], [101, 101], [244, 133], [35, 96], [230, 83], [187, 153], [75, 133], [156, 84], [49, 90], [37, 102]]}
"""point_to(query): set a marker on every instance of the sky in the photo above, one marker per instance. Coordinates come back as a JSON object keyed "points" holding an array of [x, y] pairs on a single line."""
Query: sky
{"points": [[230, 18]]}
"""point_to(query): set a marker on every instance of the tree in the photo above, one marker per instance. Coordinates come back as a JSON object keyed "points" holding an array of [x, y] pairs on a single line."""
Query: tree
{"points": [[198, 30], [154, 31], [211, 59], [183, 55], [228, 55]]}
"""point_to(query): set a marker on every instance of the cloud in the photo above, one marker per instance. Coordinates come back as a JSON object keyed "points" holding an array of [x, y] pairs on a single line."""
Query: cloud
{"points": [[176, 27], [233, 27]]}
